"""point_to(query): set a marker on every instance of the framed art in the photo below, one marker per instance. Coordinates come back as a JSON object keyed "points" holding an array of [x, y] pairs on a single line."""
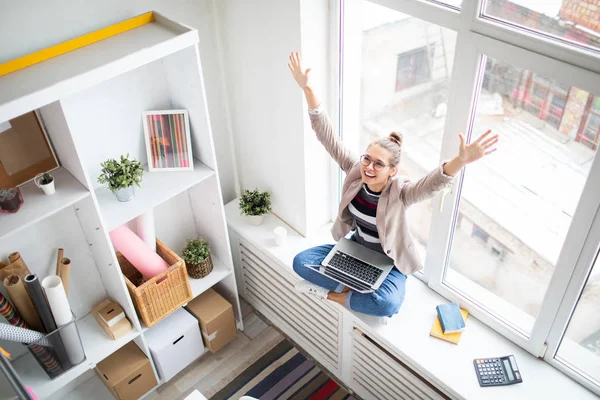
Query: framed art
{"points": [[25, 150], [168, 143]]}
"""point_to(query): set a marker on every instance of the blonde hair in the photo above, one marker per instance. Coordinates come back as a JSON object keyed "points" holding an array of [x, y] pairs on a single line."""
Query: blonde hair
{"points": [[393, 144]]}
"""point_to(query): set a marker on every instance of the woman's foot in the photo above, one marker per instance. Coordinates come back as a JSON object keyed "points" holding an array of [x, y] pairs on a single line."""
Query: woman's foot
{"points": [[308, 288]]}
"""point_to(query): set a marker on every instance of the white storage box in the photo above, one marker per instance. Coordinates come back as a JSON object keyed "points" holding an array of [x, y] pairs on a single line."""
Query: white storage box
{"points": [[175, 342]]}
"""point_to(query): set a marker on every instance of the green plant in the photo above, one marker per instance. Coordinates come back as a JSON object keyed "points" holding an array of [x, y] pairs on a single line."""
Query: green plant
{"points": [[121, 174], [255, 203], [46, 179], [196, 251], [7, 194]]}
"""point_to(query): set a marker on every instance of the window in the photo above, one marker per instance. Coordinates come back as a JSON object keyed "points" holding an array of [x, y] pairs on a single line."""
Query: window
{"points": [[516, 239], [404, 88], [580, 346], [413, 69], [524, 195], [574, 21]]}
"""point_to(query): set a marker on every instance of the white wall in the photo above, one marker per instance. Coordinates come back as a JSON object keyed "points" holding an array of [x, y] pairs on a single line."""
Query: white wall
{"points": [[268, 111], [257, 111], [29, 25]]}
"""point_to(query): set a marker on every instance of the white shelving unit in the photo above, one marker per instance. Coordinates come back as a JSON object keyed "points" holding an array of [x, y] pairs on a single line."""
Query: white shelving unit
{"points": [[91, 102]]}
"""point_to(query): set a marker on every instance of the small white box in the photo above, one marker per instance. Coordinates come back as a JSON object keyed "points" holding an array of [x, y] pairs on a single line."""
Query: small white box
{"points": [[175, 342]]}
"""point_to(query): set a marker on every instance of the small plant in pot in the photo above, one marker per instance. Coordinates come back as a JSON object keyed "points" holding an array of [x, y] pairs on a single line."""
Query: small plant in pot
{"points": [[46, 182], [121, 176], [255, 205], [196, 255], [10, 199]]}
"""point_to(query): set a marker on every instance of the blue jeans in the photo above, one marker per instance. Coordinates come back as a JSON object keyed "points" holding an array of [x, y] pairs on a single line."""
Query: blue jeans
{"points": [[384, 302]]}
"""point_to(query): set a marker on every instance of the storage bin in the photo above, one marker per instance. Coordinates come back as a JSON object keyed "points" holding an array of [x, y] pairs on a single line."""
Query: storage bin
{"points": [[160, 296], [175, 342], [58, 351], [127, 373]]}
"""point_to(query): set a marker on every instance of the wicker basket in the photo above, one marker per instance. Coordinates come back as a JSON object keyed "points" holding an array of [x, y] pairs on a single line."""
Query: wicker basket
{"points": [[198, 271], [161, 295]]}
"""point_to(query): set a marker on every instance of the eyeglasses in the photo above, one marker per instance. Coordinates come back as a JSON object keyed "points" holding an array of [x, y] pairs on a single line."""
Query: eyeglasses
{"points": [[365, 160]]}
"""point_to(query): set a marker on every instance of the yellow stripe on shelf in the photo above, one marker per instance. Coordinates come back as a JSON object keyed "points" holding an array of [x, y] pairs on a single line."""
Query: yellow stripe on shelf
{"points": [[76, 43]]}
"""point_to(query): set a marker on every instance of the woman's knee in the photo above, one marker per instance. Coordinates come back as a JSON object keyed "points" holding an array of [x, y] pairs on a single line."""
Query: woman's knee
{"points": [[298, 263], [390, 305]]}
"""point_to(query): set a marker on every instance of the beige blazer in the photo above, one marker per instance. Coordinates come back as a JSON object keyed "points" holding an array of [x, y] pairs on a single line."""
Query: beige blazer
{"points": [[396, 197]]}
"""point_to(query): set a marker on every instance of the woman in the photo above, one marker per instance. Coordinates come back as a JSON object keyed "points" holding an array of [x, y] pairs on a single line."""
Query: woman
{"points": [[373, 204]]}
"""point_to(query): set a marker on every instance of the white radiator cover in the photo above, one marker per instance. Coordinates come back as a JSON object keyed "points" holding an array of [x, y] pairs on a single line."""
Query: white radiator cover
{"points": [[320, 329], [269, 288], [377, 374]]}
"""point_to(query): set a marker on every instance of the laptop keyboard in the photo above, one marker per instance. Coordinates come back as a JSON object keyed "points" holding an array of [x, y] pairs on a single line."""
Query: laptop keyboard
{"points": [[355, 268]]}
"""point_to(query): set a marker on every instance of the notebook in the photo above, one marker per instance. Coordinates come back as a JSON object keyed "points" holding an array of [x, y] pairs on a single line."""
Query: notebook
{"points": [[436, 330], [450, 318]]}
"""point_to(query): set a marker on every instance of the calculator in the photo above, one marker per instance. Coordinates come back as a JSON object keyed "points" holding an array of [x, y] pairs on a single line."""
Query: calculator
{"points": [[497, 371]]}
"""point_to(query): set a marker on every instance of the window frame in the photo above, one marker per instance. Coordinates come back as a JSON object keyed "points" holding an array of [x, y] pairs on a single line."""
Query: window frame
{"points": [[479, 37]]}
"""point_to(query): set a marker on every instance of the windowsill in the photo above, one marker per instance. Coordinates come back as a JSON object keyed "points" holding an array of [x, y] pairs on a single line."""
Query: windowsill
{"points": [[407, 333]]}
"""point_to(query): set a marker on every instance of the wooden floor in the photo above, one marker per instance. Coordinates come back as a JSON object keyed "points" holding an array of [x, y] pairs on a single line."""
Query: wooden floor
{"points": [[212, 372]]}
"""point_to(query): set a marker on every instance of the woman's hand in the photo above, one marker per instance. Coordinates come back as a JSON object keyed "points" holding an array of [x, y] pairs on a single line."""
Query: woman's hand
{"points": [[467, 153], [298, 72], [484, 145]]}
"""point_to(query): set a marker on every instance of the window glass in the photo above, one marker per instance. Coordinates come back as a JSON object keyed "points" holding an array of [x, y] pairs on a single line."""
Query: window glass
{"points": [[516, 205], [574, 21]]}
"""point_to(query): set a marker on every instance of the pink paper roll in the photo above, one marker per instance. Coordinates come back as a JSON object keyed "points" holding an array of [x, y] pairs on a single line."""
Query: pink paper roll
{"points": [[137, 252]]}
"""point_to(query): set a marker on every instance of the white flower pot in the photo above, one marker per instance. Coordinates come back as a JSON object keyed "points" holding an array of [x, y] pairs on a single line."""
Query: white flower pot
{"points": [[125, 194], [49, 189], [256, 219]]}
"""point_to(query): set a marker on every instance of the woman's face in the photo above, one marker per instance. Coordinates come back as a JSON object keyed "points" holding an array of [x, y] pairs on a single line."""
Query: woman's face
{"points": [[378, 170]]}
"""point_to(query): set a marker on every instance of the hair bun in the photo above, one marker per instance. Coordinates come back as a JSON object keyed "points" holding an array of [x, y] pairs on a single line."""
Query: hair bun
{"points": [[396, 138]]}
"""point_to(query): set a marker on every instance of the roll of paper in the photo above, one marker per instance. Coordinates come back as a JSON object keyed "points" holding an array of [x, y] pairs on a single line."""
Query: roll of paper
{"points": [[65, 270], [16, 267], [20, 299], [137, 253], [16, 259], [59, 258], [22, 335], [145, 229], [43, 355], [41, 305], [59, 305]]}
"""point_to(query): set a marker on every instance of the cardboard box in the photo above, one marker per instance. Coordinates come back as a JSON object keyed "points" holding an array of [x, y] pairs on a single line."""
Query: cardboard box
{"points": [[215, 316], [127, 373], [119, 328]]}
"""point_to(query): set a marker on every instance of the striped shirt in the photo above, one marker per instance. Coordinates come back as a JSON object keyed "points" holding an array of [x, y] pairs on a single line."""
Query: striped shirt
{"points": [[364, 209]]}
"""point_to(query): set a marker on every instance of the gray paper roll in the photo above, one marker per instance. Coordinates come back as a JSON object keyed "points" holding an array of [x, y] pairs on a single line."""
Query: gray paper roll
{"points": [[39, 301], [22, 335]]}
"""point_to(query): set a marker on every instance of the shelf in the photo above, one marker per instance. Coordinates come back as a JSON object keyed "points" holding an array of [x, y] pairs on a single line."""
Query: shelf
{"points": [[219, 272], [157, 187], [37, 205], [56, 78], [97, 346], [96, 343]]}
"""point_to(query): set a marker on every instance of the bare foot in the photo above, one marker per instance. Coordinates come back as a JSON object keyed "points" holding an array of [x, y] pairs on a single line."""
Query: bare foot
{"points": [[339, 298]]}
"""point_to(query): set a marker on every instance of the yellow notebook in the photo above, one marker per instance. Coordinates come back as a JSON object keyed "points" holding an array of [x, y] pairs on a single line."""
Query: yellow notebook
{"points": [[436, 330]]}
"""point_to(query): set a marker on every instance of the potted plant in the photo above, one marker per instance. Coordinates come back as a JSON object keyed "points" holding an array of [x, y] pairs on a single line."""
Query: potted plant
{"points": [[196, 255], [10, 199], [121, 176], [46, 182], [255, 205]]}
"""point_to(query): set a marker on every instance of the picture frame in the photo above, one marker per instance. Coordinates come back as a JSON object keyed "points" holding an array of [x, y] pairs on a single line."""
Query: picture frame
{"points": [[168, 141]]}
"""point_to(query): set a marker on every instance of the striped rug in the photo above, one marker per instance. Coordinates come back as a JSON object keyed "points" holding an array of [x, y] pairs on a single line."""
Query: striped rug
{"points": [[283, 373]]}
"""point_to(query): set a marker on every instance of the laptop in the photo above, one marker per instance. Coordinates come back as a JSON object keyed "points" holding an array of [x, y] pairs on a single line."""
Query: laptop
{"points": [[355, 266]]}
